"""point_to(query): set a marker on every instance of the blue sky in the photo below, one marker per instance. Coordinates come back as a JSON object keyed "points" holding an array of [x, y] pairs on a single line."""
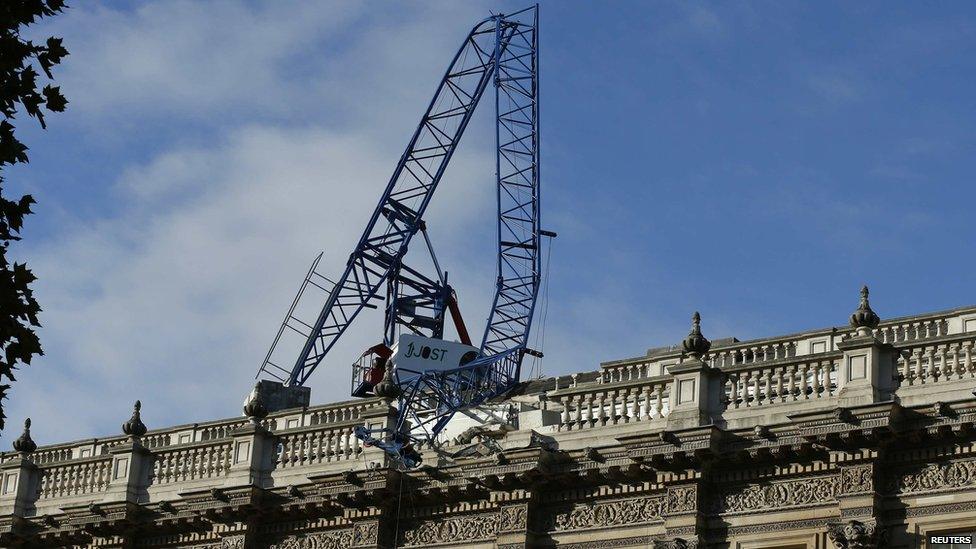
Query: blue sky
{"points": [[754, 161]]}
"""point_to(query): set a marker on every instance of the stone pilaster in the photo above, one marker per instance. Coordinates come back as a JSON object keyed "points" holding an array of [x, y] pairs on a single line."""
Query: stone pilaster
{"points": [[368, 528], [514, 518], [865, 374], [696, 394], [252, 456], [20, 477], [131, 464], [683, 520]]}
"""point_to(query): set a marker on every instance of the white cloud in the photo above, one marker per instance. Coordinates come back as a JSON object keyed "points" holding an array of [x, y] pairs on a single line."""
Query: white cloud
{"points": [[175, 298]]}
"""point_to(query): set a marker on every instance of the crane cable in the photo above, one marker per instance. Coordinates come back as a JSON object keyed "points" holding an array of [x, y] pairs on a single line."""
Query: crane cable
{"points": [[535, 372]]}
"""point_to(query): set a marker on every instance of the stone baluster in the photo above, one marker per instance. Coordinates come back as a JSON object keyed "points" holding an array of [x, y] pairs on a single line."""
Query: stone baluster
{"points": [[758, 379], [956, 367], [815, 370], [733, 383], [745, 388], [919, 370], [780, 396], [659, 401], [635, 411], [768, 390], [804, 371], [969, 359], [564, 418], [906, 359]]}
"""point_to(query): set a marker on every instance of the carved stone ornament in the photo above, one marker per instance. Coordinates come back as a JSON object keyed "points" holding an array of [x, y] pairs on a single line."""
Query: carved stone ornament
{"points": [[864, 318], [696, 345], [602, 515], [794, 493], [365, 533], [334, 539], [254, 407], [232, 542], [25, 444], [857, 480], [453, 529], [855, 534], [135, 427], [935, 476], [513, 518], [682, 499]]}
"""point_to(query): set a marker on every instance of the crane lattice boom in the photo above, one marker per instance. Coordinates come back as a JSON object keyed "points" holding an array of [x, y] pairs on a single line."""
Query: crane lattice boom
{"points": [[503, 50]]}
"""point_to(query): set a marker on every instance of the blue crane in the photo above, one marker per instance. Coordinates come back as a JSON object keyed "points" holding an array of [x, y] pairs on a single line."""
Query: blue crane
{"points": [[502, 50]]}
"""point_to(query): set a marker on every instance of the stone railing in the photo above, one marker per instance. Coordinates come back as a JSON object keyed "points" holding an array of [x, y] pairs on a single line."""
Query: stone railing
{"points": [[766, 384], [192, 462], [88, 476], [163, 463], [807, 369], [920, 360], [944, 359], [729, 355], [316, 446], [596, 405]]}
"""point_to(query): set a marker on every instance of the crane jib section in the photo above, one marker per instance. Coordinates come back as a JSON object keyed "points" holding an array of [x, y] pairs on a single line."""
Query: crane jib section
{"points": [[502, 50]]}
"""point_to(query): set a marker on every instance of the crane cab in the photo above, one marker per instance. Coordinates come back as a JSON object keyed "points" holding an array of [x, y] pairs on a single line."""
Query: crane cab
{"points": [[411, 356], [417, 354]]}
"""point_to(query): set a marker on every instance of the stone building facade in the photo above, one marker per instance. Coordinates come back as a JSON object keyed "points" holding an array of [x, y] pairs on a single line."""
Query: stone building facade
{"points": [[853, 437]]}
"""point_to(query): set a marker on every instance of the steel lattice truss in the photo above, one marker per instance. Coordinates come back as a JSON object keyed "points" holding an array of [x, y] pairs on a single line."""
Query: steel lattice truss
{"points": [[503, 50]]}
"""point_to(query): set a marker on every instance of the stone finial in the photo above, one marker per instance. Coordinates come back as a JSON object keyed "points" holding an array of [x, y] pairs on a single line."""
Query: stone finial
{"points": [[864, 319], [254, 408], [696, 344], [135, 427], [25, 444], [387, 388]]}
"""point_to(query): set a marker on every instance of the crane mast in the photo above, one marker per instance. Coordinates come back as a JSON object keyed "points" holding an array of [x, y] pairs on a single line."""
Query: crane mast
{"points": [[501, 50]]}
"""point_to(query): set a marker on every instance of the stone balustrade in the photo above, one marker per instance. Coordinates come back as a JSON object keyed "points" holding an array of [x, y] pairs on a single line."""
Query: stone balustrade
{"points": [[646, 403], [191, 462], [598, 405], [782, 382], [87, 476], [945, 359], [781, 372]]}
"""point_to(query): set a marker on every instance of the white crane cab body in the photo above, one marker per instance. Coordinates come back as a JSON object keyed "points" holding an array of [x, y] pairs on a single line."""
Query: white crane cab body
{"points": [[414, 354]]}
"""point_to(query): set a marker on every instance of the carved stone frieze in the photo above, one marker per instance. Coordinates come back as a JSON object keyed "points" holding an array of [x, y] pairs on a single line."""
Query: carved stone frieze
{"points": [[365, 533], [855, 534], [232, 542], [777, 495], [934, 477], [452, 530], [604, 514], [513, 518], [682, 499], [336, 539], [857, 480]]}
